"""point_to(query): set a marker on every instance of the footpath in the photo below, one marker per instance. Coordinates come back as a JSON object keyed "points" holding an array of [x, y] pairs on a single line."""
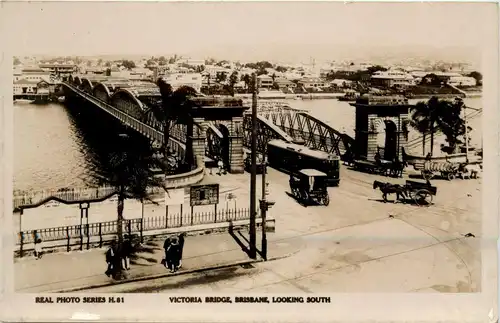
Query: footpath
{"points": [[80, 270]]}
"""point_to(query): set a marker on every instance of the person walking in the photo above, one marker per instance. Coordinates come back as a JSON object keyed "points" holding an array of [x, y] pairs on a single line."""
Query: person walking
{"points": [[125, 253], [166, 245], [110, 258], [173, 252]]}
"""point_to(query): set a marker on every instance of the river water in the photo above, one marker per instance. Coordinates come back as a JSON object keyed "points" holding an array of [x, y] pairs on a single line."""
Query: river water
{"points": [[52, 148]]}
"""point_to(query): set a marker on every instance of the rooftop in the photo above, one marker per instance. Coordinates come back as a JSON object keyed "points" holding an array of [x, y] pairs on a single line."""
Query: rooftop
{"points": [[25, 81]]}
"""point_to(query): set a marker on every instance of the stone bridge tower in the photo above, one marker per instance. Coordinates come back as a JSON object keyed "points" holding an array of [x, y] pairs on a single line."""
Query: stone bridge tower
{"points": [[381, 125], [228, 120]]}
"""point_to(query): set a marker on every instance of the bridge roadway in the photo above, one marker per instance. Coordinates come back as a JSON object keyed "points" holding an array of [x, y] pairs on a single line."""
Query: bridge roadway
{"points": [[353, 245]]}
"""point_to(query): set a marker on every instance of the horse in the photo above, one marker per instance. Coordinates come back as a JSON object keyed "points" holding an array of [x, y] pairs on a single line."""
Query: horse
{"points": [[388, 188], [469, 170], [397, 168]]}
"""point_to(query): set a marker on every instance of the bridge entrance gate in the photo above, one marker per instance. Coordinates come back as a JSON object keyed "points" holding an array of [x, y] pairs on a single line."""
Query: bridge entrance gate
{"points": [[380, 128]]}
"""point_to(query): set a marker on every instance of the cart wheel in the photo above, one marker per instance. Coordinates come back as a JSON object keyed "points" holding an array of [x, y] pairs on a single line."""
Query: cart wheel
{"points": [[426, 175], [423, 198], [326, 200], [450, 176]]}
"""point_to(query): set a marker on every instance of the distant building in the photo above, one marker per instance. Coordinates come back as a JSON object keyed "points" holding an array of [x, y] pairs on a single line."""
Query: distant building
{"points": [[285, 84], [462, 81], [392, 78], [60, 70], [177, 80], [341, 83], [24, 86], [309, 83], [264, 81], [34, 74]]}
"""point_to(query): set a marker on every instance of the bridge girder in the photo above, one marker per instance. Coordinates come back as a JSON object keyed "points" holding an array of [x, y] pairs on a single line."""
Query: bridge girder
{"points": [[314, 132], [265, 133]]}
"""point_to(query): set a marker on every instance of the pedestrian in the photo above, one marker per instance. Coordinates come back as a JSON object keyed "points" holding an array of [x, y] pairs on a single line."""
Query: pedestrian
{"points": [[181, 247], [166, 245], [110, 258], [173, 252], [38, 249], [125, 252], [220, 164]]}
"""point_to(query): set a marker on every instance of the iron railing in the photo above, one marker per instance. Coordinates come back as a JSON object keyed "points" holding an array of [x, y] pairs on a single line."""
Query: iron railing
{"points": [[96, 232]]}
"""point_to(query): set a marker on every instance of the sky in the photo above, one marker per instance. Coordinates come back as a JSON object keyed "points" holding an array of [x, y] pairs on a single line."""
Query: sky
{"points": [[284, 31]]}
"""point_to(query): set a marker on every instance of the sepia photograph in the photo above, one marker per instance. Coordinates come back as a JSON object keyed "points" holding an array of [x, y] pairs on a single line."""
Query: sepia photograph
{"points": [[251, 153]]}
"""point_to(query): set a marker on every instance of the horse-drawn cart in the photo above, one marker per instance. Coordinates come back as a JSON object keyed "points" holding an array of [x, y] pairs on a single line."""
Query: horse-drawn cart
{"points": [[310, 185], [383, 167], [445, 170], [419, 193]]}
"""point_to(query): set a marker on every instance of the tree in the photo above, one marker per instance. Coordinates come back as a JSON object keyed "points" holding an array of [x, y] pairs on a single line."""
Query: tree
{"points": [[175, 107], [162, 61], [428, 117], [107, 64], [99, 61], [478, 76], [281, 69], [127, 166], [376, 68], [220, 77], [128, 64], [247, 79], [233, 79], [453, 126], [16, 61]]}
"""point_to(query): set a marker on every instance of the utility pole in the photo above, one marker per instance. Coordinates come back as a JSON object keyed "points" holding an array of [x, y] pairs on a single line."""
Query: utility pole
{"points": [[264, 206], [253, 175], [466, 138]]}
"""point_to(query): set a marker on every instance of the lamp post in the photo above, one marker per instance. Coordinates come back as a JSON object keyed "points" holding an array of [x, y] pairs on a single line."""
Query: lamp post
{"points": [[253, 173]]}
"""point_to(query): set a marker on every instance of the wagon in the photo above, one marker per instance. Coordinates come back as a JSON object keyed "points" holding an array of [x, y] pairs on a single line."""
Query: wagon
{"points": [[430, 169], [421, 193], [385, 167], [310, 185]]}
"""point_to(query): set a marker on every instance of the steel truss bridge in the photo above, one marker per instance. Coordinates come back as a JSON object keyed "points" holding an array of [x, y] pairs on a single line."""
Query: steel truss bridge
{"points": [[131, 105], [290, 125]]}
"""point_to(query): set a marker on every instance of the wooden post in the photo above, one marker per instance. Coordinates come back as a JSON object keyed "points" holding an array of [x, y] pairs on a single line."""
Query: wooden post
{"points": [[129, 228], [181, 215], [166, 217], [67, 237], [21, 241], [142, 225], [215, 218], [88, 237], [100, 234], [81, 228], [192, 214]]}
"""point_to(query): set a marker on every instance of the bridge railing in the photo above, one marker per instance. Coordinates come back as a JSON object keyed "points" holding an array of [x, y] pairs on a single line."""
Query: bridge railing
{"points": [[28, 198], [98, 233]]}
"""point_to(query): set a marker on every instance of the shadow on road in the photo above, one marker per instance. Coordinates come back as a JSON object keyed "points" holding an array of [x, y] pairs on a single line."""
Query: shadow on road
{"points": [[245, 244]]}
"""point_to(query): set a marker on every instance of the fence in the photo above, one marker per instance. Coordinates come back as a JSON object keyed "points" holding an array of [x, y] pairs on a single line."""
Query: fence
{"points": [[96, 232]]}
